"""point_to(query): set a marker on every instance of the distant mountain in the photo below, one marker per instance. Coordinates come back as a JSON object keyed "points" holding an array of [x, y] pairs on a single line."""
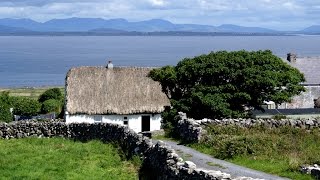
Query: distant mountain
{"points": [[153, 25], [235, 28], [312, 29], [121, 26], [6, 29]]}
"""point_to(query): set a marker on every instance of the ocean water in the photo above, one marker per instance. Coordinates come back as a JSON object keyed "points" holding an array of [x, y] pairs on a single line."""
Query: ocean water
{"points": [[33, 61]]}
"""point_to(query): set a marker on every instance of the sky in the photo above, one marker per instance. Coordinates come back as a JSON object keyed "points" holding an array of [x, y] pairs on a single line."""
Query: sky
{"points": [[274, 14]]}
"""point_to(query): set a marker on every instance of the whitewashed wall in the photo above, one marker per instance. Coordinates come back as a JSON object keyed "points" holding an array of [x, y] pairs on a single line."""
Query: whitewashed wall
{"points": [[304, 100], [134, 121]]}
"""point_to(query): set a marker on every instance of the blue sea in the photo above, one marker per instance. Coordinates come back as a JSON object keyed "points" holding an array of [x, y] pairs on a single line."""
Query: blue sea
{"points": [[34, 61]]}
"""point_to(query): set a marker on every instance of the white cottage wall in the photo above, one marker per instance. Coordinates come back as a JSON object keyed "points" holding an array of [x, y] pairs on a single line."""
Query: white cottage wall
{"points": [[134, 121]]}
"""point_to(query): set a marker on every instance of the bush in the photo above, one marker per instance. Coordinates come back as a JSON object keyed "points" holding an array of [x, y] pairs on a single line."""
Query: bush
{"points": [[5, 114], [169, 121], [54, 93], [25, 106], [279, 117], [51, 105]]}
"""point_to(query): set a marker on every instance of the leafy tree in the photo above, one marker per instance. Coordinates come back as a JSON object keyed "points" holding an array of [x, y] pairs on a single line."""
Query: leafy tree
{"points": [[226, 84], [54, 93], [25, 106], [51, 105], [5, 114]]}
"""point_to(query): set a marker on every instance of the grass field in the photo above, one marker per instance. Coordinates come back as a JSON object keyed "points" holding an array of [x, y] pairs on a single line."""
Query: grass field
{"points": [[57, 158], [28, 92], [279, 151]]}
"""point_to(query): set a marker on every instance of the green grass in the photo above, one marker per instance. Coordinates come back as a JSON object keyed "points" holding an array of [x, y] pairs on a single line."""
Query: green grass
{"points": [[28, 92], [278, 151], [57, 158]]}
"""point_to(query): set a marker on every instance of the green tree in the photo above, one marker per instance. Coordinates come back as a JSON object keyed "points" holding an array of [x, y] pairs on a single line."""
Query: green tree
{"points": [[51, 105], [54, 93], [25, 106], [226, 84], [5, 114]]}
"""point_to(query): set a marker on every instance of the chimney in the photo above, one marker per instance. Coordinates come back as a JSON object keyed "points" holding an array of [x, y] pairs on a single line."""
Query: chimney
{"points": [[291, 57], [109, 65]]}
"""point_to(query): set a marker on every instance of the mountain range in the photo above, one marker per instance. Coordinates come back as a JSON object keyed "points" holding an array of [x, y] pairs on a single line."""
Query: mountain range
{"points": [[118, 26]]}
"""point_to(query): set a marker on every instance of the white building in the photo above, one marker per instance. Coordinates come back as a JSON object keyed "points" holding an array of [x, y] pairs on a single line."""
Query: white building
{"points": [[119, 95]]}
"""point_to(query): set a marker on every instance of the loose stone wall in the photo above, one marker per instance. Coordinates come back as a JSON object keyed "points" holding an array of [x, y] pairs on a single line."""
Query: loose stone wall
{"points": [[159, 160], [191, 130]]}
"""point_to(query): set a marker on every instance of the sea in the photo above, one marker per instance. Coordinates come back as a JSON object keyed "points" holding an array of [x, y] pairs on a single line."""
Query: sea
{"points": [[37, 61]]}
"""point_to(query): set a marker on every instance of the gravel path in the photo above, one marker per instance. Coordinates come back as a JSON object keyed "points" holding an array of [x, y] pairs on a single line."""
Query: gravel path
{"points": [[207, 162]]}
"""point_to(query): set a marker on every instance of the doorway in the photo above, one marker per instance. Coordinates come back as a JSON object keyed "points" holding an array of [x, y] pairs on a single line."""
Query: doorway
{"points": [[145, 123]]}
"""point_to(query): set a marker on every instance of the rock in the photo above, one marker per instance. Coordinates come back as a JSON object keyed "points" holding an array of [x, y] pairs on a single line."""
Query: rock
{"points": [[189, 164], [309, 122], [316, 173]]}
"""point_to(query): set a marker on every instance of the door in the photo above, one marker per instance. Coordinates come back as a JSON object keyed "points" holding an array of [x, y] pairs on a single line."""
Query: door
{"points": [[145, 123]]}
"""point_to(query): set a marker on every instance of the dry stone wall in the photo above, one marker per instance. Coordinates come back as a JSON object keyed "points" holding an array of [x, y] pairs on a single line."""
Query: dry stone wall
{"points": [[159, 160], [191, 130]]}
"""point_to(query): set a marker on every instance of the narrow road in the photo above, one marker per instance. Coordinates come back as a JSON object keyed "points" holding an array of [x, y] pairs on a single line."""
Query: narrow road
{"points": [[205, 161]]}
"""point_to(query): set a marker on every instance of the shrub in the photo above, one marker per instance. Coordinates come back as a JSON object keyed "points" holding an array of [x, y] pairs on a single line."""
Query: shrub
{"points": [[169, 121], [25, 106], [5, 114], [51, 105], [54, 93], [279, 117]]}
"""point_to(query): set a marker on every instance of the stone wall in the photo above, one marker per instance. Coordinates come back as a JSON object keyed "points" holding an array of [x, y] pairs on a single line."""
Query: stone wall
{"points": [[191, 130], [304, 100], [159, 160]]}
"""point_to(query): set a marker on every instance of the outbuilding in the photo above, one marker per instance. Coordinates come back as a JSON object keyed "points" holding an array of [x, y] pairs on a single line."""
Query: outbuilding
{"points": [[121, 95]]}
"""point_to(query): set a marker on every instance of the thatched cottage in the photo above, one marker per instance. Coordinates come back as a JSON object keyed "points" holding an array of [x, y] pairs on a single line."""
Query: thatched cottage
{"points": [[310, 67], [122, 95]]}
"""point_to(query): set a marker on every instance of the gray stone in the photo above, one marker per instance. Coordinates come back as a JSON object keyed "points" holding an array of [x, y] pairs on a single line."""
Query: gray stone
{"points": [[190, 165]]}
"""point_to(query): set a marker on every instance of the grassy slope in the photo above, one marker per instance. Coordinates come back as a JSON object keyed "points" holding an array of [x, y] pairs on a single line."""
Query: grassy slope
{"points": [[57, 158], [28, 92], [278, 151]]}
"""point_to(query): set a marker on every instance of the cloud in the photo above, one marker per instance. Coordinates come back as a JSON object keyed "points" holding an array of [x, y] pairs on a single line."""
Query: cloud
{"points": [[279, 14]]}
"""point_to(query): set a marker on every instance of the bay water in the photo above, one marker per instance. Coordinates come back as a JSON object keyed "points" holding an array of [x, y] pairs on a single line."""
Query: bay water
{"points": [[34, 61]]}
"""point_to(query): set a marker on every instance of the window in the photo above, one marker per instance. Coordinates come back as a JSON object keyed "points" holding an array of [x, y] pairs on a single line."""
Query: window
{"points": [[125, 121]]}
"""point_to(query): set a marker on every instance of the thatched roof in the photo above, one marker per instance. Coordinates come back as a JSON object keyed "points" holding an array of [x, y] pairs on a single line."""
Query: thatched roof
{"points": [[121, 90], [310, 67]]}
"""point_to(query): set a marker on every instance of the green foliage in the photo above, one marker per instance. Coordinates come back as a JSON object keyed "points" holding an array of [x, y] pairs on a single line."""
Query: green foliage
{"points": [[169, 121], [51, 105], [5, 114], [52, 101], [54, 93], [25, 106], [57, 158], [279, 117], [278, 151], [224, 84]]}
